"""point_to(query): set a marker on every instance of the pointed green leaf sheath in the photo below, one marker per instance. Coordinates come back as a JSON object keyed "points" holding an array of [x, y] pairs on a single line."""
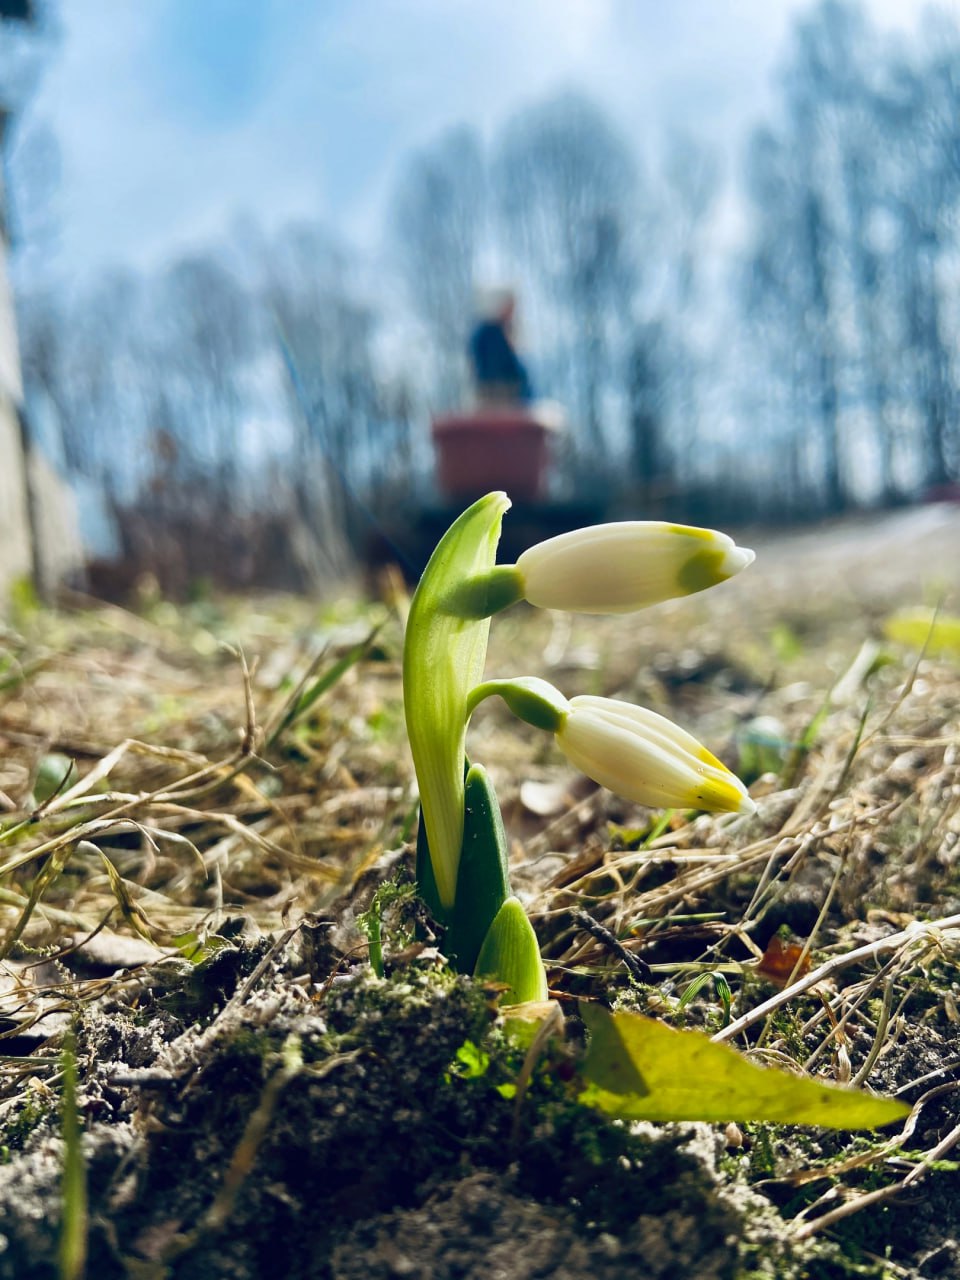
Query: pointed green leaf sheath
{"points": [[426, 885], [510, 954], [443, 656], [638, 1069], [483, 881]]}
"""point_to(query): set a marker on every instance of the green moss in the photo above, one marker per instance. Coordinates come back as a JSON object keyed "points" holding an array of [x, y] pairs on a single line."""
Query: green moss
{"points": [[787, 1026], [762, 1157], [27, 1117]]}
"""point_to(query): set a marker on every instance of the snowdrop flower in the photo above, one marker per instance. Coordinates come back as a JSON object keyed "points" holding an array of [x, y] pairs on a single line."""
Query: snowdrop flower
{"points": [[647, 758], [616, 568], [462, 855], [631, 751]]}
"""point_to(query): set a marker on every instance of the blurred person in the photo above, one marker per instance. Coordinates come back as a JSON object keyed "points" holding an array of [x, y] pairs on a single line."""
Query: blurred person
{"points": [[499, 373]]}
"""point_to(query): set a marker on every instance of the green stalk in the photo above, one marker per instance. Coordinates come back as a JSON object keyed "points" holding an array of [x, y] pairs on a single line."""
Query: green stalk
{"points": [[443, 657]]}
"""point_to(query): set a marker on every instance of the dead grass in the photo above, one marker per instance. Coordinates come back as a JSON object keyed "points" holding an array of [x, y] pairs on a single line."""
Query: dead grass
{"points": [[247, 759]]}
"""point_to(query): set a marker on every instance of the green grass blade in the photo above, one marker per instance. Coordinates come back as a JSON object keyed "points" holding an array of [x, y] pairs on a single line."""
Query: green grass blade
{"points": [[73, 1229], [305, 699]]}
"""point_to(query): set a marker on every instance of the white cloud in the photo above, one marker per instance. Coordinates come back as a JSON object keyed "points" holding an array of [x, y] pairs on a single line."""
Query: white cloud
{"points": [[353, 84]]}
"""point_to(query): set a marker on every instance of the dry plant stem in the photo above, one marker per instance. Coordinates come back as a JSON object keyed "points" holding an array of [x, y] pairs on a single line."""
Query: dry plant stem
{"points": [[887, 975], [914, 933], [947, 1067], [708, 867], [117, 820], [639, 969], [542, 844], [808, 944], [804, 1228], [245, 1153], [246, 1150], [278, 946], [767, 876], [891, 1270], [688, 885], [907, 688], [9, 898], [129, 802]]}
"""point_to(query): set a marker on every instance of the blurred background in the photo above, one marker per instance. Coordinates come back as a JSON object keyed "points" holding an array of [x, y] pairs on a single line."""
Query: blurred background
{"points": [[247, 243]]}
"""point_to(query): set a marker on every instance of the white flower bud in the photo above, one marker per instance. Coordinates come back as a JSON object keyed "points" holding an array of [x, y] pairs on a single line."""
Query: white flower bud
{"points": [[646, 758], [616, 568]]}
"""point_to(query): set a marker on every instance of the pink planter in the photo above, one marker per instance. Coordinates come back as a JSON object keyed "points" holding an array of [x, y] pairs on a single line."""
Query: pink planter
{"points": [[492, 448]]}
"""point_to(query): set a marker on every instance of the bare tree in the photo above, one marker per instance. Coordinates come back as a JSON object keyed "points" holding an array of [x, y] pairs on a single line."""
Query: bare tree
{"points": [[566, 188], [208, 339], [437, 219], [323, 330]]}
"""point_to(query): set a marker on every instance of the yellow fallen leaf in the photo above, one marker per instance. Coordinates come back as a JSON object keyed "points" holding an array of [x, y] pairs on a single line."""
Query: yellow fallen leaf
{"points": [[639, 1069], [940, 633]]}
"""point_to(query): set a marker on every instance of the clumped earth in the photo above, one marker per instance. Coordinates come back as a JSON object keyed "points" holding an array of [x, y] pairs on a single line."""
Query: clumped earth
{"points": [[202, 803]]}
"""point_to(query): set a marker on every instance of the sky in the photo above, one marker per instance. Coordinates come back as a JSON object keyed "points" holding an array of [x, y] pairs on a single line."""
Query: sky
{"points": [[176, 117]]}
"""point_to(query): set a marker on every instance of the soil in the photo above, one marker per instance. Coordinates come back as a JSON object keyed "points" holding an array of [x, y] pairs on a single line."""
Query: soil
{"points": [[206, 1156], [255, 1101]]}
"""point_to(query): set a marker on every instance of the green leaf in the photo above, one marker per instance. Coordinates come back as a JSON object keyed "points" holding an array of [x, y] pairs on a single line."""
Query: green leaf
{"points": [[200, 947], [686, 1076], [426, 884], [130, 910], [936, 633], [720, 985], [483, 883], [23, 600], [443, 656], [785, 642], [470, 1061], [510, 954]]}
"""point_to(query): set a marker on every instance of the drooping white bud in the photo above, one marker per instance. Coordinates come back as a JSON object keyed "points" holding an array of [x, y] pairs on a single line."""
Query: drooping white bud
{"points": [[616, 568], [645, 757]]}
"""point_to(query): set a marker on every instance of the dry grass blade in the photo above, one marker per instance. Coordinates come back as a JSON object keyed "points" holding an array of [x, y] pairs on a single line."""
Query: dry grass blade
{"points": [[857, 1203], [46, 877], [920, 934], [177, 829]]}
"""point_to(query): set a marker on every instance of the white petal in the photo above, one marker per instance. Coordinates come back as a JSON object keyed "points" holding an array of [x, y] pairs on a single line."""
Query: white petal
{"points": [[646, 758], [648, 724], [615, 568]]}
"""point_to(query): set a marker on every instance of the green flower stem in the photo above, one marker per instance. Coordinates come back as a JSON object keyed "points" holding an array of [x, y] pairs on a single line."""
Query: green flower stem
{"points": [[443, 656], [487, 593], [529, 698]]}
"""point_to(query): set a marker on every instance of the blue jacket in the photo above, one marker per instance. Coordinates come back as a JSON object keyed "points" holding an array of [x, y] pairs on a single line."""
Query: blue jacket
{"points": [[495, 362]]}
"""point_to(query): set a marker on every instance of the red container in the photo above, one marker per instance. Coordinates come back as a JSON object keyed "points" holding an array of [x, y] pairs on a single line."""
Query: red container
{"points": [[492, 448]]}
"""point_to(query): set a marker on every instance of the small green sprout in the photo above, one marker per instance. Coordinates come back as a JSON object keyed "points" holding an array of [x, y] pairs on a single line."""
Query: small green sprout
{"points": [[720, 986], [73, 1229], [462, 867], [370, 922]]}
